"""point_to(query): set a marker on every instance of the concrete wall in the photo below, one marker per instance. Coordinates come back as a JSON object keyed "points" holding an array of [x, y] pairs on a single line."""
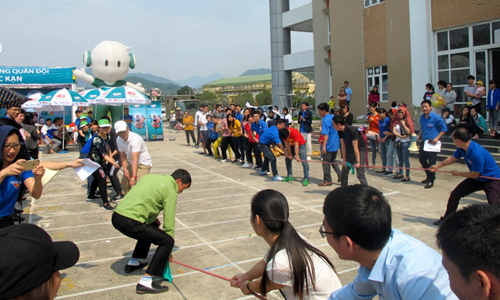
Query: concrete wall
{"points": [[347, 60], [320, 39], [462, 12]]}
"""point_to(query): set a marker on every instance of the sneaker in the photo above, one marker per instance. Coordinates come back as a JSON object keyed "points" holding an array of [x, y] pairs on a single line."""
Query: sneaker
{"points": [[245, 165], [108, 207], [175, 248], [93, 198], [257, 167], [288, 179], [263, 173], [305, 182], [277, 178], [196, 147], [309, 158], [439, 222], [118, 197], [253, 167], [222, 160]]}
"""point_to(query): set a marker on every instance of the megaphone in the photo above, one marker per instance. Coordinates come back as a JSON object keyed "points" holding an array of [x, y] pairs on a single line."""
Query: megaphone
{"points": [[413, 146]]}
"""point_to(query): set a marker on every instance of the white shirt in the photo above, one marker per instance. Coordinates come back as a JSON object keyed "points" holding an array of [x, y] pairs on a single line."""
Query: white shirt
{"points": [[46, 129], [326, 281], [406, 139], [197, 117], [134, 144], [203, 119]]}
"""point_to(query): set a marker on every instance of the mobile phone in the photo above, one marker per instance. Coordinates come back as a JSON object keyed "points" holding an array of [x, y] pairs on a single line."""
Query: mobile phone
{"points": [[29, 164]]}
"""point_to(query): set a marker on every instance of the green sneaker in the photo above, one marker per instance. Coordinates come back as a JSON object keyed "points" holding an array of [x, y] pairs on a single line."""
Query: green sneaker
{"points": [[288, 179], [305, 182]]}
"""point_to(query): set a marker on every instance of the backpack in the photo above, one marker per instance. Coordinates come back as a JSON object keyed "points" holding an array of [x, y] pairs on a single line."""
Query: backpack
{"points": [[84, 153]]}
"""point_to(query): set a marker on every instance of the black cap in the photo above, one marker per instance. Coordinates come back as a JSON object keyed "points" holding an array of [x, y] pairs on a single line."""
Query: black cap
{"points": [[29, 257], [78, 110]]}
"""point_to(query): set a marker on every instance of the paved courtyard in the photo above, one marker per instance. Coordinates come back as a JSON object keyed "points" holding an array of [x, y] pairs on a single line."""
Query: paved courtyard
{"points": [[212, 228]]}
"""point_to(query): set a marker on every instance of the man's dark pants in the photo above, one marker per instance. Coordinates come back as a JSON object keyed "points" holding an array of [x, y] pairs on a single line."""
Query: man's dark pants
{"points": [[427, 159], [330, 157], [360, 172], [268, 157], [469, 186], [146, 234]]}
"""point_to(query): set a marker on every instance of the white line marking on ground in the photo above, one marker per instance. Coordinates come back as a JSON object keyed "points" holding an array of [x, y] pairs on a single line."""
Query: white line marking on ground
{"points": [[208, 210]]}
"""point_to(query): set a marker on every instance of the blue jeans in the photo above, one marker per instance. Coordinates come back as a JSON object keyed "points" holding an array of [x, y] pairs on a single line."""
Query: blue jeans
{"points": [[268, 157], [404, 157], [373, 146], [383, 151], [392, 158], [303, 157]]}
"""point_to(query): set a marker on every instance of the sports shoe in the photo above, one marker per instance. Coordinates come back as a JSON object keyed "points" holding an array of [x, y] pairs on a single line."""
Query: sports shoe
{"points": [[305, 182], [130, 269], [253, 167], [118, 197], [107, 206], [288, 179], [245, 165], [175, 248], [277, 178], [93, 198], [154, 289], [263, 173], [309, 158], [222, 160]]}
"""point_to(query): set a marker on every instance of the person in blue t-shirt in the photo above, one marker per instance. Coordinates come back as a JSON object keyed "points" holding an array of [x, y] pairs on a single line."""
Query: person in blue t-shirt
{"points": [[331, 145], [384, 125], [432, 128], [480, 163], [127, 118], [13, 175], [266, 140], [212, 134]]}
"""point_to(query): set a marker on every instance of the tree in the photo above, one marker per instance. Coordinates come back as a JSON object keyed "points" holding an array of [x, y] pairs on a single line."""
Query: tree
{"points": [[264, 98], [242, 99], [185, 90], [300, 97], [206, 95]]}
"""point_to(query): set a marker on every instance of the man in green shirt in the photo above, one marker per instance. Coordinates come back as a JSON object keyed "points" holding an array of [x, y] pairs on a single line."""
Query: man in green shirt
{"points": [[137, 217]]}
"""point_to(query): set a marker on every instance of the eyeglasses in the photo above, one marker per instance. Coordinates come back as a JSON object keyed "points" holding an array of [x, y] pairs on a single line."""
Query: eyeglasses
{"points": [[322, 231], [12, 146]]}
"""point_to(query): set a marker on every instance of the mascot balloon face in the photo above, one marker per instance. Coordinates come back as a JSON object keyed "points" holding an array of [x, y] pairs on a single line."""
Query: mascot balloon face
{"points": [[110, 63]]}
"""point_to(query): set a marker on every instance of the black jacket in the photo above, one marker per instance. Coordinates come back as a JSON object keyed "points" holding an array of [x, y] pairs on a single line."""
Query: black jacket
{"points": [[306, 122]]}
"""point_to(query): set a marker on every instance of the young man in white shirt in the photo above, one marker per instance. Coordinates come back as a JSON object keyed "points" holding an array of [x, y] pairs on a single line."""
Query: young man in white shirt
{"points": [[202, 128], [196, 127], [134, 156], [48, 136]]}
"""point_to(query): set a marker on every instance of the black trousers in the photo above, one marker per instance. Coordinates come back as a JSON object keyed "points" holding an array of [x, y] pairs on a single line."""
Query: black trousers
{"points": [[99, 181], [469, 186], [252, 148], [33, 153], [115, 182], [208, 145], [198, 135], [239, 144], [427, 159], [330, 158], [6, 221], [227, 141], [146, 234], [190, 133], [360, 172]]}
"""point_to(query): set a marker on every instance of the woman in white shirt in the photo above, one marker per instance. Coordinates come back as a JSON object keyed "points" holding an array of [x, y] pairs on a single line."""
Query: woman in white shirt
{"points": [[312, 275], [287, 117], [450, 97], [402, 130]]}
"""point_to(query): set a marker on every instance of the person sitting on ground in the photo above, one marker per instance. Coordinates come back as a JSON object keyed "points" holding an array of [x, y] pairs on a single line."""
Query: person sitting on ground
{"points": [[137, 217], [358, 226], [480, 163], [31, 261], [295, 147], [13, 176], [449, 120], [477, 123], [48, 136], [473, 265], [293, 265]]}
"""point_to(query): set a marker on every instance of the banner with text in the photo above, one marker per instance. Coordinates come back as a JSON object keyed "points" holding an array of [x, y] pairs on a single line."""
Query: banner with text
{"points": [[155, 123], [36, 75], [139, 125]]}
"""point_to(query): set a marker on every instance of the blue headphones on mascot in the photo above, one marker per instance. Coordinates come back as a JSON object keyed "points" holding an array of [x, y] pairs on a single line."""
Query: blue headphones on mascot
{"points": [[88, 61]]}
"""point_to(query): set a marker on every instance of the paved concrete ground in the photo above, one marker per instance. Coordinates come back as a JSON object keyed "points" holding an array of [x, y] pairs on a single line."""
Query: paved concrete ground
{"points": [[213, 229]]}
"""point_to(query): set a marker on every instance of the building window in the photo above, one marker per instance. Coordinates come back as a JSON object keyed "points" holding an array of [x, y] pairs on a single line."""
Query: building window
{"points": [[378, 76], [369, 3]]}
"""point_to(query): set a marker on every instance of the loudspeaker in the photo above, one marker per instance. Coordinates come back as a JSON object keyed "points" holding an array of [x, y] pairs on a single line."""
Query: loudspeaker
{"points": [[413, 146]]}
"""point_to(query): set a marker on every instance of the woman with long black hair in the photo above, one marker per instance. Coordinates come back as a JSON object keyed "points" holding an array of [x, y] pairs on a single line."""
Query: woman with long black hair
{"points": [[292, 264]]}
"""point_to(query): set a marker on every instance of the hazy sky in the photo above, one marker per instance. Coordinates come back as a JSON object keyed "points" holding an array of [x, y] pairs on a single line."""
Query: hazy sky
{"points": [[175, 39]]}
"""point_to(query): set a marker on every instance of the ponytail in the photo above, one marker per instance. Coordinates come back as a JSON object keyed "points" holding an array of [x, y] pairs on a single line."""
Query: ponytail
{"points": [[272, 208]]}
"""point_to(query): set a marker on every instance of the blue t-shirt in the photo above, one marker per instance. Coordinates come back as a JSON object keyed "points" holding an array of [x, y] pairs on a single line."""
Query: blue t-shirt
{"points": [[333, 143], [129, 117], [384, 126], [9, 191], [239, 117], [271, 135], [479, 160], [348, 91], [259, 128], [212, 134], [431, 126]]}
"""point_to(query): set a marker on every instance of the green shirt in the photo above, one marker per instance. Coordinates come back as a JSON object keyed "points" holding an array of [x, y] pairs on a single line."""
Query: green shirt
{"points": [[152, 194]]}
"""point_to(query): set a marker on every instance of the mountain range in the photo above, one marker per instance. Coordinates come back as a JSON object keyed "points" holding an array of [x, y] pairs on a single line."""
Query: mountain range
{"points": [[253, 72]]}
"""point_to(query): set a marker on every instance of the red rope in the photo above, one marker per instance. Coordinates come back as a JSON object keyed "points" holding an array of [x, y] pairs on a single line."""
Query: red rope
{"points": [[215, 275]]}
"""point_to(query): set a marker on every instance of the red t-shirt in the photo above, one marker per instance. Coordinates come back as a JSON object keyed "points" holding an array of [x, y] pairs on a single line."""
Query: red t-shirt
{"points": [[295, 136], [249, 131]]}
